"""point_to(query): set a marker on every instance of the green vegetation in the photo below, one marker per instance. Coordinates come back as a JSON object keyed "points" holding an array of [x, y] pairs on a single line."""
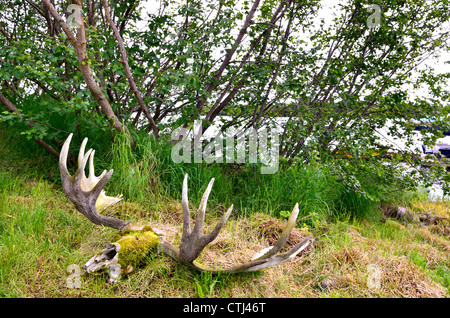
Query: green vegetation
{"points": [[129, 79], [321, 189], [332, 87], [41, 233], [136, 247]]}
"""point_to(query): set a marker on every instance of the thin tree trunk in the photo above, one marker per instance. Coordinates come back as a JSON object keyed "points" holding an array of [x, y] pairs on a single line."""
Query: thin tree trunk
{"points": [[79, 44], [127, 70]]}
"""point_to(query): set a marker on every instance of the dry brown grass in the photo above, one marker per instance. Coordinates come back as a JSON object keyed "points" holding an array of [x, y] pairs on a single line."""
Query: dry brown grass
{"points": [[344, 260]]}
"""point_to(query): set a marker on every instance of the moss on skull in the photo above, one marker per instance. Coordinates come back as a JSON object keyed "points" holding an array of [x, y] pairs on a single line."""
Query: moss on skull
{"points": [[136, 247]]}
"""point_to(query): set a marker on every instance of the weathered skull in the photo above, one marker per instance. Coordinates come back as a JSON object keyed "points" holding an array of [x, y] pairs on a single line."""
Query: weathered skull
{"points": [[126, 254]]}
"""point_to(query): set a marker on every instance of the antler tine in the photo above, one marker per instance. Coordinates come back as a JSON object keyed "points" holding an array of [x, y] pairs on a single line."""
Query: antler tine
{"points": [[200, 221], [284, 235], [80, 175], [87, 194], [81, 152], [215, 232], [63, 159], [98, 187], [185, 206], [91, 176], [193, 243]]}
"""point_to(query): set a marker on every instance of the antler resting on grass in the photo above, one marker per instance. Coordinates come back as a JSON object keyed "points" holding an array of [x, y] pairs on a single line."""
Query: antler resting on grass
{"points": [[87, 194], [135, 245]]}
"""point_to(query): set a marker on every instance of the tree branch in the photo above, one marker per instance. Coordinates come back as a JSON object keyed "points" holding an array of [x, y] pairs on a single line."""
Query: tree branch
{"points": [[13, 109], [127, 70], [214, 82]]}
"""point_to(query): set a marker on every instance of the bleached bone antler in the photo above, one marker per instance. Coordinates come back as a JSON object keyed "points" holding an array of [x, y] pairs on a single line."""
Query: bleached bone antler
{"points": [[193, 242], [88, 196]]}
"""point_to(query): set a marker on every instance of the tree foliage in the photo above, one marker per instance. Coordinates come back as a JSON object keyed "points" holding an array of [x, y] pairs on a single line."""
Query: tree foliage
{"points": [[247, 63]]}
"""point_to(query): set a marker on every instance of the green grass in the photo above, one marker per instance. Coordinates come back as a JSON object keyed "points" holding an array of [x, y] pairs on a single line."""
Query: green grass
{"points": [[439, 273], [41, 233], [150, 173], [31, 233]]}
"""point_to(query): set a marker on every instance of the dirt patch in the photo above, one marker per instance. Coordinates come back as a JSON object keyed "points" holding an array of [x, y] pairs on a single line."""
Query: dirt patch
{"points": [[271, 230]]}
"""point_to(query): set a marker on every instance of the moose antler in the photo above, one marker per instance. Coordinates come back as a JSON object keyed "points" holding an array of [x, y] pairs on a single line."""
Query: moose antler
{"points": [[193, 243], [88, 196]]}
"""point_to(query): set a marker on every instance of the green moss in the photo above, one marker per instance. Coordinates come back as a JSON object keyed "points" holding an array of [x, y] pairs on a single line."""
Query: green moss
{"points": [[136, 247]]}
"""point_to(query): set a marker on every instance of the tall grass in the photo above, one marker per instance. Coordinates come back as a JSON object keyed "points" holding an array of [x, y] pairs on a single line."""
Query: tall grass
{"points": [[135, 172], [149, 173]]}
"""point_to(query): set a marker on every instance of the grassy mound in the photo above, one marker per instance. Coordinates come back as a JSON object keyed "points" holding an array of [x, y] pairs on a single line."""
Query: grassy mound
{"points": [[42, 236]]}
